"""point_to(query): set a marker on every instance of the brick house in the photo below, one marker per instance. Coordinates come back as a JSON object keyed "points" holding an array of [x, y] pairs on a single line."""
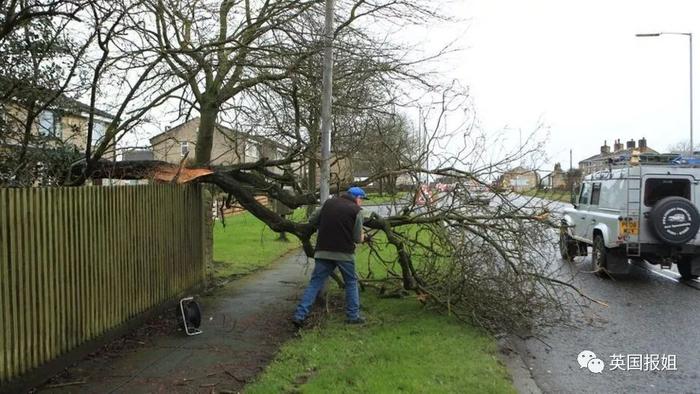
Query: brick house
{"points": [[519, 179], [599, 161], [555, 179], [64, 122], [229, 147]]}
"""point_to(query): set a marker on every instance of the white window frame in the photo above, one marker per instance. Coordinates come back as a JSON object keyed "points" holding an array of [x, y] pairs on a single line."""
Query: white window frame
{"points": [[184, 148]]}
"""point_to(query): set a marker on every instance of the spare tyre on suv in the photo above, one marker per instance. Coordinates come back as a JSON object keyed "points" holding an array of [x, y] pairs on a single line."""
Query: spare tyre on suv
{"points": [[675, 220]]}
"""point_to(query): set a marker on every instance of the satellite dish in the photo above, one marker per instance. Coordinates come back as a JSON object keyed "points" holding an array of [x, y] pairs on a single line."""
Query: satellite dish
{"points": [[191, 316]]}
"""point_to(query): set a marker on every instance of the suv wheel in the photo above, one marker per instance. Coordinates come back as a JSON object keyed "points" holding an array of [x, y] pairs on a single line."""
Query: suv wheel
{"points": [[568, 247], [684, 268], [599, 255]]}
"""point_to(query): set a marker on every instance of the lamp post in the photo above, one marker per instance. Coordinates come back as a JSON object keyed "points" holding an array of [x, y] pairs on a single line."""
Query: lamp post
{"points": [[327, 102], [690, 46]]}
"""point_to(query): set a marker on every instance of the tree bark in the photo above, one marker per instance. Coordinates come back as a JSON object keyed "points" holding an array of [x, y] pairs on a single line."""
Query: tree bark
{"points": [[205, 134]]}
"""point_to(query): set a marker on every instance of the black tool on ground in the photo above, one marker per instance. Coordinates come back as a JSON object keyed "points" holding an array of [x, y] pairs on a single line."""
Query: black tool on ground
{"points": [[191, 316]]}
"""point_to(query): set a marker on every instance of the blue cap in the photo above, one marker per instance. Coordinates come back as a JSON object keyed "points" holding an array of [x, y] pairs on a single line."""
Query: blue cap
{"points": [[357, 192]]}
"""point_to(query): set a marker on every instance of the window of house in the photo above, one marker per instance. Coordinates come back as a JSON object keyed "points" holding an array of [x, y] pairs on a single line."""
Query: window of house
{"points": [[595, 194], [656, 189], [98, 132], [47, 126], [251, 152], [184, 148]]}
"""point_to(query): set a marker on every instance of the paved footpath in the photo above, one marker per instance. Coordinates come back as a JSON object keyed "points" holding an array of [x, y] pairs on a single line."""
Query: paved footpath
{"points": [[244, 324]]}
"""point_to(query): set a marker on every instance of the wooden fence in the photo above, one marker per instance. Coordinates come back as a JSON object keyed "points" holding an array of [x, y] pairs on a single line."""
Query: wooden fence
{"points": [[76, 262]]}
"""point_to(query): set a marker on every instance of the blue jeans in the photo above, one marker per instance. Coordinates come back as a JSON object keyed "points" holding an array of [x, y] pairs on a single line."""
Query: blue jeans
{"points": [[322, 271]]}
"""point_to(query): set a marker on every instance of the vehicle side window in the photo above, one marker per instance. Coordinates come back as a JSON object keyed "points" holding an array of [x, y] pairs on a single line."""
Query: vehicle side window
{"points": [[585, 193], [595, 194]]}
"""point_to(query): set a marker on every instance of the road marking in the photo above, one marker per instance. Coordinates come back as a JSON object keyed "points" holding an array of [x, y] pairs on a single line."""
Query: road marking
{"points": [[695, 284], [659, 273]]}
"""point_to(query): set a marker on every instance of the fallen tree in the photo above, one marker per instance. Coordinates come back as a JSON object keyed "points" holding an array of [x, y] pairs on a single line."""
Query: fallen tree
{"points": [[490, 263], [487, 263]]}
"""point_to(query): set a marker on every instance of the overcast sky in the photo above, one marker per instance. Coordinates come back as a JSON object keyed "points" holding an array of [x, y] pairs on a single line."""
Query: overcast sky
{"points": [[577, 67], [574, 66]]}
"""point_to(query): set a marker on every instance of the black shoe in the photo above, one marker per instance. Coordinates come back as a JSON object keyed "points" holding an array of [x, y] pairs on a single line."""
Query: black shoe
{"points": [[298, 323], [359, 320]]}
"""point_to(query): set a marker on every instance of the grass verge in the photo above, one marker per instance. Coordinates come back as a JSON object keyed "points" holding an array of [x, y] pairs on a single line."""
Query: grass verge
{"points": [[246, 244], [376, 199], [403, 347]]}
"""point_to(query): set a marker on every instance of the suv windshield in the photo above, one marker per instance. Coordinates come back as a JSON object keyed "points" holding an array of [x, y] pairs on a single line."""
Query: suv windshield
{"points": [[656, 189]]}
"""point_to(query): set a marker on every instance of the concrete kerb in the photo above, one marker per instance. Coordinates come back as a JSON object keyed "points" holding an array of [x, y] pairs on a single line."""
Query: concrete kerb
{"points": [[510, 352]]}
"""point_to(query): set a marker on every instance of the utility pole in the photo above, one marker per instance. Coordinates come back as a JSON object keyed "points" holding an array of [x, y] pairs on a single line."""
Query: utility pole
{"points": [[326, 102], [571, 159]]}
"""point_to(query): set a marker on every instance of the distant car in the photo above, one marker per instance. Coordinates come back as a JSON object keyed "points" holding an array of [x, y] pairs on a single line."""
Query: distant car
{"points": [[647, 211], [475, 195]]}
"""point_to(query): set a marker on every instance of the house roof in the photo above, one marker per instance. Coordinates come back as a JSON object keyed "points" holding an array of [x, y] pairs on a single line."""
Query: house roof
{"points": [[623, 152], [61, 102], [67, 104]]}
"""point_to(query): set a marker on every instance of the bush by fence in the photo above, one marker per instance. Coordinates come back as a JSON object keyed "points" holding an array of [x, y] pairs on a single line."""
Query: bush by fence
{"points": [[76, 262]]}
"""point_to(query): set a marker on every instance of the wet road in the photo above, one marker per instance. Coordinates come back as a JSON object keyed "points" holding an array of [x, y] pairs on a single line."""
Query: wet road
{"points": [[649, 313]]}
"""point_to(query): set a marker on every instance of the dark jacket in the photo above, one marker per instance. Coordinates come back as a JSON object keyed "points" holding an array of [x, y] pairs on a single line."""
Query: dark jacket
{"points": [[336, 224]]}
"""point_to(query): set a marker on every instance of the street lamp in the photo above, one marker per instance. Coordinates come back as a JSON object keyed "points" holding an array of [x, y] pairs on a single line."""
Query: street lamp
{"points": [[690, 45]]}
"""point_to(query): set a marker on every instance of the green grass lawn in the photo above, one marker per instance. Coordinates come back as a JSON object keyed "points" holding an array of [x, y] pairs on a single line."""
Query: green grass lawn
{"points": [[246, 245], [403, 347], [376, 199]]}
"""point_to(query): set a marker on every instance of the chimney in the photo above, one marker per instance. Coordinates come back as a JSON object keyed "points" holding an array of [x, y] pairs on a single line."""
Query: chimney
{"points": [[605, 149], [631, 144], [643, 144], [557, 167], [618, 146]]}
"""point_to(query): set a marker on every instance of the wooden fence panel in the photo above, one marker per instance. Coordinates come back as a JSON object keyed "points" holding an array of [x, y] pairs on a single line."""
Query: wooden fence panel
{"points": [[76, 262]]}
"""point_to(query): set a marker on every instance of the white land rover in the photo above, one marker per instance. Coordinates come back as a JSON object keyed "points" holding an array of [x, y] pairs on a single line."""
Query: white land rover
{"points": [[642, 210]]}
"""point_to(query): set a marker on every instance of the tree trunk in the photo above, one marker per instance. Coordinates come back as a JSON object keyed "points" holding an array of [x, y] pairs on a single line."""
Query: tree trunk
{"points": [[314, 142], [205, 134], [391, 186]]}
